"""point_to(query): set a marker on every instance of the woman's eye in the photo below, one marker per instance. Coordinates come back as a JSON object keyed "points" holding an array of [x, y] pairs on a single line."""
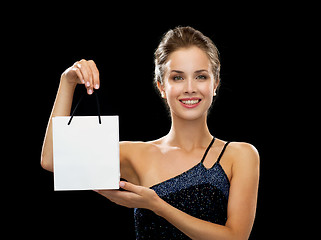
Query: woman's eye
{"points": [[201, 77], [177, 78]]}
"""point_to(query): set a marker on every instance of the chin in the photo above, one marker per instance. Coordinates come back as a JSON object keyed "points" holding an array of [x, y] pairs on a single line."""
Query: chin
{"points": [[189, 115]]}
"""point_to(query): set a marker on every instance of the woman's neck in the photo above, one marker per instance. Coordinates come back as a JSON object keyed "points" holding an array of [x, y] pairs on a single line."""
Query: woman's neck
{"points": [[188, 134]]}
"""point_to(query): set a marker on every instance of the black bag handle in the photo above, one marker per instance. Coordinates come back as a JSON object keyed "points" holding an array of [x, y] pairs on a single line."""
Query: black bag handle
{"points": [[98, 107]]}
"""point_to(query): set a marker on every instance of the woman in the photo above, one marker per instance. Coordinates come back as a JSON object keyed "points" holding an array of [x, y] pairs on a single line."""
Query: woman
{"points": [[187, 184]]}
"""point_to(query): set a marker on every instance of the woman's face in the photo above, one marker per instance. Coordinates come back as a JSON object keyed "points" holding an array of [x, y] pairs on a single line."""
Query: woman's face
{"points": [[188, 83]]}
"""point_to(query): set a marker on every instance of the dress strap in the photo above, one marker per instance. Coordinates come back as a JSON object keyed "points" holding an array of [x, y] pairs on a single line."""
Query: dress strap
{"points": [[223, 150], [208, 148]]}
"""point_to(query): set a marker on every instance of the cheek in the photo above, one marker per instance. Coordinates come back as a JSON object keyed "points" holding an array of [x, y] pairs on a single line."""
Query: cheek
{"points": [[172, 92], [207, 90]]}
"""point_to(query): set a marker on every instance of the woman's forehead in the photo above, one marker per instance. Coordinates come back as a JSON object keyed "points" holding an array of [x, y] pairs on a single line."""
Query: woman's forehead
{"points": [[188, 59]]}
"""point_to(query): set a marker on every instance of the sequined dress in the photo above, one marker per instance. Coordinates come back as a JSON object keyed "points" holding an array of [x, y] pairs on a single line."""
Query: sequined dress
{"points": [[199, 192]]}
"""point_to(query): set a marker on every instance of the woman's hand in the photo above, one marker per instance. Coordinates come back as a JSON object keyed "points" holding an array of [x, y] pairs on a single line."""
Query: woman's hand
{"points": [[83, 72], [134, 196]]}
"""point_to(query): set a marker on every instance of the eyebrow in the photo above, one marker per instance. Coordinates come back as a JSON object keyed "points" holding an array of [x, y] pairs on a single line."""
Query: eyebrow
{"points": [[202, 70], [198, 71], [177, 71]]}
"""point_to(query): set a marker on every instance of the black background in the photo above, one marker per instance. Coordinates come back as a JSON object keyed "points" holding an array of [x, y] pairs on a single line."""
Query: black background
{"points": [[256, 104]]}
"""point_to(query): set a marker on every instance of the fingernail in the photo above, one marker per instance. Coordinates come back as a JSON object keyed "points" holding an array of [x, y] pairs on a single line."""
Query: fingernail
{"points": [[96, 86], [87, 84], [121, 184], [90, 91]]}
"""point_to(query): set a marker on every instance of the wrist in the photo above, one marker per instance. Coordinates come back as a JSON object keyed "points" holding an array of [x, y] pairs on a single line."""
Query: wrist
{"points": [[65, 84], [159, 205]]}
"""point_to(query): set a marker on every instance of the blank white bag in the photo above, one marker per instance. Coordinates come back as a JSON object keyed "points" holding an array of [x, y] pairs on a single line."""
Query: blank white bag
{"points": [[86, 153]]}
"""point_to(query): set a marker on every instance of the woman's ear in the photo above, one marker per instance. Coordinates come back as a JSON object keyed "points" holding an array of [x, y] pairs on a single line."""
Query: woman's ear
{"points": [[161, 89], [216, 84]]}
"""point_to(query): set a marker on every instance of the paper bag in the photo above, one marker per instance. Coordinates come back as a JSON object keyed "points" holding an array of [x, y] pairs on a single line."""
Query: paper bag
{"points": [[86, 153]]}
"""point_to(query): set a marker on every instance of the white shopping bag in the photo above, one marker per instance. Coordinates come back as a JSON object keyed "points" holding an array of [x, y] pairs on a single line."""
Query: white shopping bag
{"points": [[86, 153]]}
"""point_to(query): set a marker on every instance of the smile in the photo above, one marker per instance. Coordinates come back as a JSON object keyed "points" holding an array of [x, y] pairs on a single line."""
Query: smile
{"points": [[190, 102]]}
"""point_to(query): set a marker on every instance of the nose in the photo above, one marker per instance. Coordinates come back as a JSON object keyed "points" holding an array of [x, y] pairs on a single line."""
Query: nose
{"points": [[190, 86]]}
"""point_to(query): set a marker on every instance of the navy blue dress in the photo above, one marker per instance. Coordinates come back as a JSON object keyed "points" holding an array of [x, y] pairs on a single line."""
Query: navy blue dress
{"points": [[199, 192]]}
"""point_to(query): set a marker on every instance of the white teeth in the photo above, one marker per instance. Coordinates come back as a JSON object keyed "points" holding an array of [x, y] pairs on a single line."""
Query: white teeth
{"points": [[190, 102]]}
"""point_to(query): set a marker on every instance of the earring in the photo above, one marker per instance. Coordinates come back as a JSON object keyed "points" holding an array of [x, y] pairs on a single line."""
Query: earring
{"points": [[163, 94], [214, 94]]}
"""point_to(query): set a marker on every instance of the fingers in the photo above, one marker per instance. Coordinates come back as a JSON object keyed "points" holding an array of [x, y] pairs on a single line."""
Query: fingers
{"points": [[130, 187], [79, 74], [134, 196], [95, 74], [123, 198], [88, 74]]}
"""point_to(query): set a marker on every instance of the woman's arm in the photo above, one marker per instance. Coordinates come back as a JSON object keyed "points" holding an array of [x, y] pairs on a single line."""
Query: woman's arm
{"points": [[241, 205], [82, 72]]}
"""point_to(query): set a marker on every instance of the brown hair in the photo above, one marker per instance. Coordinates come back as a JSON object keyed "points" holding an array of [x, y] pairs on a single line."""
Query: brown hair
{"points": [[184, 37]]}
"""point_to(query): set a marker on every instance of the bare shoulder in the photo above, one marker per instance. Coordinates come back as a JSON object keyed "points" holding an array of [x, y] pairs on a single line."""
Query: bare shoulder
{"points": [[130, 149], [136, 145], [244, 154], [244, 148], [127, 145]]}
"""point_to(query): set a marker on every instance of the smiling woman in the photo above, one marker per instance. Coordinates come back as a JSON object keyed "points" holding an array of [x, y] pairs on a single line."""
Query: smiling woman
{"points": [[188, 84], [187, 184]]}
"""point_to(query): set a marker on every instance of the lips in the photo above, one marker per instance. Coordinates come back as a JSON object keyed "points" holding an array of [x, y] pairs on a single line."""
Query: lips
{"points": [[190, 102]]}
